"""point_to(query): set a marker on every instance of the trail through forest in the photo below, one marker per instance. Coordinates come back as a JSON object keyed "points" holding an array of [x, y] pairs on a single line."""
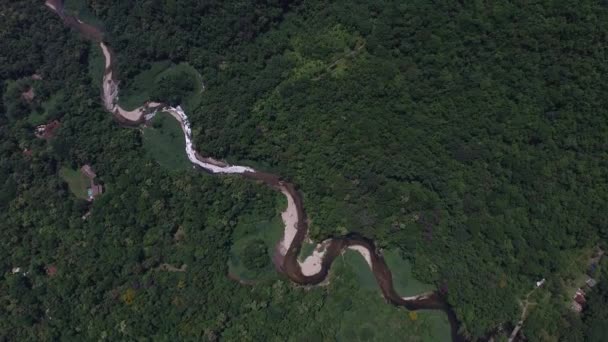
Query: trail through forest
{"points": [[316, 267]]}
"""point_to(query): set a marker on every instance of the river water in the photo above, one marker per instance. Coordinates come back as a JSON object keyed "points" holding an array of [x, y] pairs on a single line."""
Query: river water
{"points": [[285, 259]]}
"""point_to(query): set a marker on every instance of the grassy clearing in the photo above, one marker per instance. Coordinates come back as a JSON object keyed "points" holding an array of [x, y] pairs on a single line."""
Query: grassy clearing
{"points": [[365, 277], [365, 316], [138, 89], [44, 106], [405, 284], [77, 183], [50, 107], [307, 249], [141, 87], [194, 98], [164, 142], [252, 228]]}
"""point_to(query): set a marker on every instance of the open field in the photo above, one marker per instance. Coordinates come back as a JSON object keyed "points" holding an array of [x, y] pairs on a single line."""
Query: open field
{"points": [[252, 229], [137, 91], [141, 87], [164, 142], [362, 310], [405, 283], [77, 183]]}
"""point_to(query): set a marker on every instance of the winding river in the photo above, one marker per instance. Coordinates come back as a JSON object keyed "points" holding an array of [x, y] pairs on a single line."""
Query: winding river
{"points": [[316, 267]]}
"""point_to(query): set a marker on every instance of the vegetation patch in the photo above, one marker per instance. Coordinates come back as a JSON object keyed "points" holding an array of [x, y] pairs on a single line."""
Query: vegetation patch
{"points": [[77, 182], [403, 280], [357, 263], [306, 250], [137, 90], [164, 82], [81, 9], [97, 65], [164, 142], [254, 242], [364, 315]]}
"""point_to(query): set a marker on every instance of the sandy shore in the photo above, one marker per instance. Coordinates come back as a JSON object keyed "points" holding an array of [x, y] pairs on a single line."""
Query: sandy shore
{"points": [[364, 253], [312, 264], [180, 116], [51, 5], [290, 219], [418, 297], [106, 54], [110, 91]]}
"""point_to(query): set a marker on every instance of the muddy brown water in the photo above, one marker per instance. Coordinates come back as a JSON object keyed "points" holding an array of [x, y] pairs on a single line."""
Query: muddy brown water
{"points": [[288, 264]]}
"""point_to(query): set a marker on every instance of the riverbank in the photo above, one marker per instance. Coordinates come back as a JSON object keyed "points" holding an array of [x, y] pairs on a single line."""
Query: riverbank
{"points": [[310, 272]]}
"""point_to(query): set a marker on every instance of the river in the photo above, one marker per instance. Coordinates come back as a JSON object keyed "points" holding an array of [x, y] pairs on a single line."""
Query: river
{"points": [[313, 270]]}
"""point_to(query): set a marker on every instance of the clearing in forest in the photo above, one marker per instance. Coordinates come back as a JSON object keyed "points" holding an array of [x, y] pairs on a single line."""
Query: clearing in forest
{"points": [[163, 81], [77, 182], [254, 243], [362, 310], [164, 142]]}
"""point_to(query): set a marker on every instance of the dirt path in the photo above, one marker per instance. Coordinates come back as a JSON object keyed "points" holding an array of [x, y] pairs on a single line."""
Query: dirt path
{"points": [[525, 304]]}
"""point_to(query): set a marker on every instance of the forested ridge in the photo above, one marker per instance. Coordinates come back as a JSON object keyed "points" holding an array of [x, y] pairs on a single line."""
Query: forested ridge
{"points": [[470, 136]]}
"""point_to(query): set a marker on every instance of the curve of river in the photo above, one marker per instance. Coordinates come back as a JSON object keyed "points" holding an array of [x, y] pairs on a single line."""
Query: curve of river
{"points": [[315, 268]]}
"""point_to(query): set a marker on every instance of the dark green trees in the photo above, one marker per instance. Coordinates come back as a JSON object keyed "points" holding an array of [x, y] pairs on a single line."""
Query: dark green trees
{"points": [[255, 255], [173, 88]]}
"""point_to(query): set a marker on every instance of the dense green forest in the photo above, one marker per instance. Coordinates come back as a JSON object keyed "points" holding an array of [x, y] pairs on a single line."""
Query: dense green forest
{"points": [[470, 136]]}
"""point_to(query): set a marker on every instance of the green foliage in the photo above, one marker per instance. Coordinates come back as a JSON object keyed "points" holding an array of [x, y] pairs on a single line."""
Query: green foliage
{"points": [[255, 255], [173, 88], [254, 242], [77, 182], [175, 85], [15, 106], [137, 90], [405, 283], [164, 142], [469, 136]]}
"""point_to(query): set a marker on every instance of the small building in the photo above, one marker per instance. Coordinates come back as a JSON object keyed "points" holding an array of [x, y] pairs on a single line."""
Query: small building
{"points": [[591, 282], [579, 297], [576, 307], [87, 170], [51, 270], [540, 282], [94, 191], [578, 301], [47, 131]]}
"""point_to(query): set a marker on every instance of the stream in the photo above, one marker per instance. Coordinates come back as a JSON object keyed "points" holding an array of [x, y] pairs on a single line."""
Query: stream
{"points": [[316, 267]]}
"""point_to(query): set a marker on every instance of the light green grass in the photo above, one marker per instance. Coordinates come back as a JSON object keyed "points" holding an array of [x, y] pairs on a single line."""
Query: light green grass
{"points": [[164, 142], [364, 275], [250, 228], [138, 90], [405, 284], [50, 107], [77, 182], [193, 100], [365, 316]]}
